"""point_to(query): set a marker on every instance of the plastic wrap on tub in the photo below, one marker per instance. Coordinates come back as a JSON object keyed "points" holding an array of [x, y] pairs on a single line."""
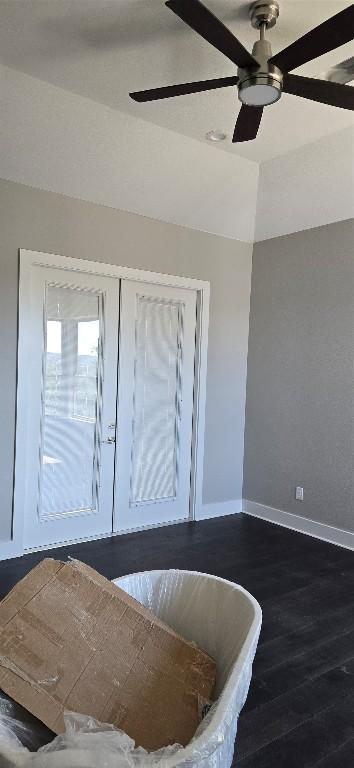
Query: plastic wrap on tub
{"points": [[85, 744], [219, 616]]}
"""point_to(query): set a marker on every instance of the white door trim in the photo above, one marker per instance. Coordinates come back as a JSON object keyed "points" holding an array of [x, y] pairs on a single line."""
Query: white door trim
{"points": [[28, 259]]}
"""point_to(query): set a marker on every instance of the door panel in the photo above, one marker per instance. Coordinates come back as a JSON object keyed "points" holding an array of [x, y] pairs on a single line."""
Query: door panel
{"points": [[155, 405], [73, 380]]}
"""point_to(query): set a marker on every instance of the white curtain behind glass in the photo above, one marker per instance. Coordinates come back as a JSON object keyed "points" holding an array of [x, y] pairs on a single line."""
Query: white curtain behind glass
{"points": [[157, 387], [70, 386]]}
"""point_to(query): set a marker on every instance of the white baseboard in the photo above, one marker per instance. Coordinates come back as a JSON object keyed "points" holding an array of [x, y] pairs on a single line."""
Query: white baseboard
{"points": [[9, 550], [300, 524], [219, 509]]}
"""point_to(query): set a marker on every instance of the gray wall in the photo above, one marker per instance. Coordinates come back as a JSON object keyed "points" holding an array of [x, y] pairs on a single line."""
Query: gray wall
{"points": [[37, 220], [300, 387]]}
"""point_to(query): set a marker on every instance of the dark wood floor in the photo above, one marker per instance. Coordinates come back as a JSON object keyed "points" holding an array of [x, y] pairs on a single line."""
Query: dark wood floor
{"points": [[300, 709]]}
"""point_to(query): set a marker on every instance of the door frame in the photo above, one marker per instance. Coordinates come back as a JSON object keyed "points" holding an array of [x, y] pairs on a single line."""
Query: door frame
{"points": [[28, 260]]}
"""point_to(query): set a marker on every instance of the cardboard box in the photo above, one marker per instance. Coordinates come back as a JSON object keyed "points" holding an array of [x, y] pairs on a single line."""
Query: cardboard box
{"points": [[72, 640]]}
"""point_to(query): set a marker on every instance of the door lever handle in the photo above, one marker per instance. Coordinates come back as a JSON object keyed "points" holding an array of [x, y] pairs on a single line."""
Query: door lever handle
{"points": [[110, 440]]}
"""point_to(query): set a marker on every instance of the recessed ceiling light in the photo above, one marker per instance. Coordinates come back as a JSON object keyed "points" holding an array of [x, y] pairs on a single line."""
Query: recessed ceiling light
{"points": [[216, 136]]}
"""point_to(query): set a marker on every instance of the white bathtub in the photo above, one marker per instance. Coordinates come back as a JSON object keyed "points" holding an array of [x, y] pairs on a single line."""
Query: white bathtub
{"points": [[224, 620]]}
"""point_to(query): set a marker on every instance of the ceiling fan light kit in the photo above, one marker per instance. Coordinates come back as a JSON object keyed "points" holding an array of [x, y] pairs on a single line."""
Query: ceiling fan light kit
{"points": [[262, 85], [261, 77]]}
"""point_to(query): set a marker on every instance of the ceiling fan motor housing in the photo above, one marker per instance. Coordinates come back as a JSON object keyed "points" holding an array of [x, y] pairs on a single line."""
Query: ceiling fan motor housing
{"points": [[262, 85], [264, 13]]}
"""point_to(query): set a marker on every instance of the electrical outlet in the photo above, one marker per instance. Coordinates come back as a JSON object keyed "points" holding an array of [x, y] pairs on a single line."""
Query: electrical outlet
{"points": [[299, 493]]}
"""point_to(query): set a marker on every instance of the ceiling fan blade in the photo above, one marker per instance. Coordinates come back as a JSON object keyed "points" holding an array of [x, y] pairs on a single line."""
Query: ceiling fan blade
{"points": [[247, 123], [337, 30], [343, 72], [199, 18], [335, 94], [183, 89]]}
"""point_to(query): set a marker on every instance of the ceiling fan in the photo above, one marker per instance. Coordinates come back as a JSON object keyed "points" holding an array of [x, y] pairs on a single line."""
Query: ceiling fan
{"points": [[262, 78]]}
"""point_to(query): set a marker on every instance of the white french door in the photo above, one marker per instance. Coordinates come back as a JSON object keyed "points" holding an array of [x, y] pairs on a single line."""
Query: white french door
{"points": [[106, 405], [71, 408], [155, 404]]}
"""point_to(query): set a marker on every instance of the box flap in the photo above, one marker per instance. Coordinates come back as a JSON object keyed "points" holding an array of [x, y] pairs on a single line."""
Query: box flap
{"points": [[72, 640]]}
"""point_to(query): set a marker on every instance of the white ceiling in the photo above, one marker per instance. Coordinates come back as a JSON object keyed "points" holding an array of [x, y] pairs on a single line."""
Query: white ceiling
{"points": [[53, 139], [102, 49]]}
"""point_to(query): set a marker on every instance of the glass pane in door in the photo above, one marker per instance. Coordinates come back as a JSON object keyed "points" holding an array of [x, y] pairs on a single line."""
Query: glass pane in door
{"points": [[157, 392], [72, 373]]}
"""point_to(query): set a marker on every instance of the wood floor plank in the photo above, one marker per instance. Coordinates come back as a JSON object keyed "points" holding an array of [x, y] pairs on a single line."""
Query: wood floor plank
{"points": [[290, 674], [343, 757], [265, 724], [305, 746], [299, 713], [287, 647]]}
